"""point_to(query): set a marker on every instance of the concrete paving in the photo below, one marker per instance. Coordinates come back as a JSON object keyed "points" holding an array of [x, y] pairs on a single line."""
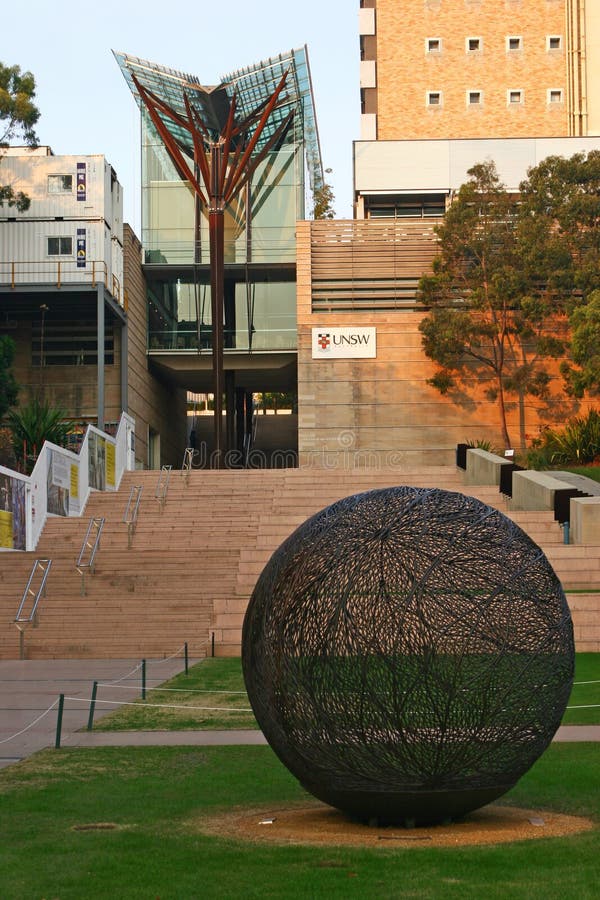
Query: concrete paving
{"points": [[29, 692]]}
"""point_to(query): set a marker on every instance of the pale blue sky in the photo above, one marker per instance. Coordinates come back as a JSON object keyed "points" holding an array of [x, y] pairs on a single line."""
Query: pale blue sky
{"points": [[86, 107]]}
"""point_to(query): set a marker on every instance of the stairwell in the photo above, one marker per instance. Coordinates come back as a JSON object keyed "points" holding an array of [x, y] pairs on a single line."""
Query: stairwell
{"points": [[192, 567]]}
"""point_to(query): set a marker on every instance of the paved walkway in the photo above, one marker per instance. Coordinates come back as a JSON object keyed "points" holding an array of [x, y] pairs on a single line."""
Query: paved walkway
{"points": [[29, 688]]}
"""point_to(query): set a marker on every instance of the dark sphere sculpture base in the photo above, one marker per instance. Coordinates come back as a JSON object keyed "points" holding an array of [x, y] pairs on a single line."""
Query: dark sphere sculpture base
{"points": [[408, 654]]}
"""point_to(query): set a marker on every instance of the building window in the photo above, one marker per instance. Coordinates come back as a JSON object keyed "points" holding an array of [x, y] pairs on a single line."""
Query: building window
{"points": [[60, 184], [474, 44], [554, 42], [555, 95], [433, 45], [513, 43], [474, 98], [434, 98], [515, 98], [60, 246]]}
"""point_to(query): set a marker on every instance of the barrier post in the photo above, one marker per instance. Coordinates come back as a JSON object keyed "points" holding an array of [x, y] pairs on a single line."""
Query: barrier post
{"points": [[185, 657], [143, 679], [59, 717], [212, 645], [92, 706]]}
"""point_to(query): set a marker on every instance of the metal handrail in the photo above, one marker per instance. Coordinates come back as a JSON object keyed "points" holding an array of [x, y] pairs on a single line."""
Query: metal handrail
{"points": [[130, 516], [163, 486], [188, 459], [21, 620], [91, 544]]}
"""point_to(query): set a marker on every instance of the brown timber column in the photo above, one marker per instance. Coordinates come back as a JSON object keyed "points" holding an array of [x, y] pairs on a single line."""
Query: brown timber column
{"points": [[216, 227]]}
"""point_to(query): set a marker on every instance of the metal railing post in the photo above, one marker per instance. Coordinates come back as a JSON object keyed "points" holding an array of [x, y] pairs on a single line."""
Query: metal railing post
{"points": [[92, 706], [143, 679], [185, 657], [59, 718]]}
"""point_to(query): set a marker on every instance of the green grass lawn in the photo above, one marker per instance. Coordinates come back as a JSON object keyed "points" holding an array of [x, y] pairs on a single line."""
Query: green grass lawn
{"points": [[218, 683], [208, 697], [156, 796], [592, 472], [586, 691]]}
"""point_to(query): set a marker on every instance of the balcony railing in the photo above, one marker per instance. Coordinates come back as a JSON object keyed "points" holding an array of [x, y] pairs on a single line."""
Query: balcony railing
{"points": [[262, 339], [57, 272]]}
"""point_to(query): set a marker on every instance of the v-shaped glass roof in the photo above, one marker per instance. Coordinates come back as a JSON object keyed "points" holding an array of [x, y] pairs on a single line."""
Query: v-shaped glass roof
{"points": [[252, 85]]}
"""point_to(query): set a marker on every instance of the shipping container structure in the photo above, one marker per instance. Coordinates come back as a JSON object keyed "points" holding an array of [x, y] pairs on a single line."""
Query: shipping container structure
{"points": [[61, 282]]}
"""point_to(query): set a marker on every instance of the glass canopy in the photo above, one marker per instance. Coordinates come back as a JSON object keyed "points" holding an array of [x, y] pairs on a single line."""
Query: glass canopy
{"points": [[252, 86]]}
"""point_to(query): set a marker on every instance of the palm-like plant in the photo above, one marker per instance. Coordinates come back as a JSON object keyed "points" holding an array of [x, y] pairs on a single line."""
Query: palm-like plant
{"points": [[33, 424]]}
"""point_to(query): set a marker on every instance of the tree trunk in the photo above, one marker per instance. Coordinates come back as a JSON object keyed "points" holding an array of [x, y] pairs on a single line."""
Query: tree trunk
{"points": [[502, 408]]}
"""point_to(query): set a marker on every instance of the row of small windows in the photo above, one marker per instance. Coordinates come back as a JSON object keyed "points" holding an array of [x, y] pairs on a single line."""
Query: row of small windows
{"points": [[513, 97], [514, 43]]}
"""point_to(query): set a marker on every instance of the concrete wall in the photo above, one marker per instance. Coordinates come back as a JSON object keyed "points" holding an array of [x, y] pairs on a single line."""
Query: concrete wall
{"points": [[381, 410]]}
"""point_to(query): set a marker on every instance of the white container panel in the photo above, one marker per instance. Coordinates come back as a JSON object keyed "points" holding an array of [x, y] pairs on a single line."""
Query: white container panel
{"points": [[31, 174]]}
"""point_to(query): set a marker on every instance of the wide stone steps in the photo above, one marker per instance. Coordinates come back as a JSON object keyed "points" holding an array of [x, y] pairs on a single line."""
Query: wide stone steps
{"points": [[192, 566]]}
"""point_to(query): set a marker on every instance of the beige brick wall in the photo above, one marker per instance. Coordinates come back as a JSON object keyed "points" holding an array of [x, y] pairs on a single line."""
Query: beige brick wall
{"points": [[406, 72], [382, 411]]}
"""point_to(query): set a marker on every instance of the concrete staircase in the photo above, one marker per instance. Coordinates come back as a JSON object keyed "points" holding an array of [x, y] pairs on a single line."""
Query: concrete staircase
{"points": [[192, 567]]}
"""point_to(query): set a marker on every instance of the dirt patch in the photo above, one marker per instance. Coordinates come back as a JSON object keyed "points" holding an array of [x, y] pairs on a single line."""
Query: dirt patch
{"points": [[321, 825]]}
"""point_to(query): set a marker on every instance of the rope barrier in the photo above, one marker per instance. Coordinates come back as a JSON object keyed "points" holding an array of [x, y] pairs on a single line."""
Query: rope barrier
{"points": [[164, 705], [31, 724], [589, 706], [133, 687], [117, 680], [158, 662]]}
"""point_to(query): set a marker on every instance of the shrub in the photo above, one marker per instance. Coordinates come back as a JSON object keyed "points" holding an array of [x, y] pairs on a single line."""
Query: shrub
{"points": [[578, 443]]}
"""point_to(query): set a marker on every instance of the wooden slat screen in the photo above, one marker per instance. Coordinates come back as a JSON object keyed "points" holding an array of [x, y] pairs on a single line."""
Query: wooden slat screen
{"points": [[367, 264]]}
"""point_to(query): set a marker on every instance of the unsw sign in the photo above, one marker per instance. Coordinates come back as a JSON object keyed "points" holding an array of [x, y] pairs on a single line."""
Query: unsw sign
{"points": [[344, 343]]}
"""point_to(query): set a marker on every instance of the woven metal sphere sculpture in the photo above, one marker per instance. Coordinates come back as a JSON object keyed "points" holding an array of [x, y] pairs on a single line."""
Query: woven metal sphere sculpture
{"points": [[408, 654]]}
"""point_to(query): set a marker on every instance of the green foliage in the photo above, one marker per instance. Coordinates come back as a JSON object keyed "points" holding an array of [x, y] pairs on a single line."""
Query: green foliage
{"points": [[584, 374], [33, 424], [517, 285], [577, 443], [492, 322], [18, 117], [18, 113], [323, 199], [9, 388], [481, 444], [278, 400]]}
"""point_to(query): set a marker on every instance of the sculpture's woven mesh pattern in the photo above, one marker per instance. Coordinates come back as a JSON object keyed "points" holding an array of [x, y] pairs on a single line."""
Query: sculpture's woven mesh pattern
{"points": [[408, 653]]}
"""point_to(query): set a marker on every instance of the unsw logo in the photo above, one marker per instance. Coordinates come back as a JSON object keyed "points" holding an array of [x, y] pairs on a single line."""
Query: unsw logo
{"points": [[339, 340]]}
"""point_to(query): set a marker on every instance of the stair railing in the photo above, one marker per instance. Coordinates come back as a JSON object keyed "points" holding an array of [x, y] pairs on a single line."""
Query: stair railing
{"points": [[130, 516], [163, 486], [86, 561], [188, 459], [34, 591]]}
